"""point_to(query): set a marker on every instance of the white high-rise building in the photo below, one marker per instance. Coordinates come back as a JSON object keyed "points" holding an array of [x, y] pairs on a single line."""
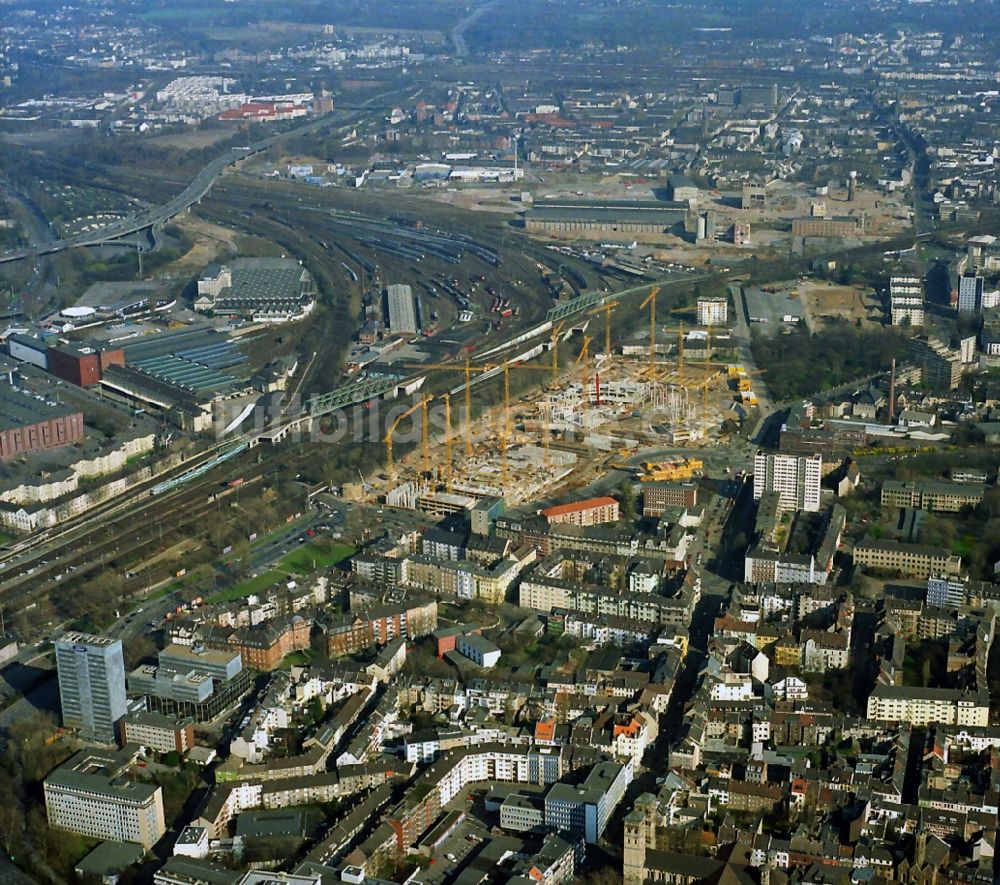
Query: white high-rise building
{"points": [[796, 478], [91, 673], [713, 311], [906, 301], [970, 292], [94, 794]]}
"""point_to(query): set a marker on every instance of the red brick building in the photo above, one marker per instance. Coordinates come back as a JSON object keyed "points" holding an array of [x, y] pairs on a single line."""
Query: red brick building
{"points": [[447, 637], [264, 646], [379, 626], [24, 429], [82, 366], [658, 496], [593, 511]]}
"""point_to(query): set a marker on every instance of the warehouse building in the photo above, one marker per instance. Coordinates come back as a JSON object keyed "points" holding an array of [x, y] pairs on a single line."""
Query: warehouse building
{"points": [[683, 189], [29, 425], [603, 217], [28, 350], [402, 314], [265, 290], [83, 366]]}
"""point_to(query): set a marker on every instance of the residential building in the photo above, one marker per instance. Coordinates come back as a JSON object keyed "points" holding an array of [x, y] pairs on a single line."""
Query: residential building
{"points": [[93, 795], [922, 706], [915, 560], [91, 671], [796, 478], [593, 511], [713, 310], [940, 366], [906, 301]]}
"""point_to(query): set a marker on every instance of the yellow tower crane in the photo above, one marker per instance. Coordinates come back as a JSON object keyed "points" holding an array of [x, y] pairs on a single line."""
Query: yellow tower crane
{"points": [[651, 302], [448, 466], [390, 463], [425, 435]]}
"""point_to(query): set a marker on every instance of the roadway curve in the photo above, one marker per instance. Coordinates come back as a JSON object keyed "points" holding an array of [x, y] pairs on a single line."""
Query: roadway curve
{"points": [[197, 189]]}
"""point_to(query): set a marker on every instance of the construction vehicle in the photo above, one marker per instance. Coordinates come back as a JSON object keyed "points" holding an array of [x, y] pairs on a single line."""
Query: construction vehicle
{"points": [[669, 471]]}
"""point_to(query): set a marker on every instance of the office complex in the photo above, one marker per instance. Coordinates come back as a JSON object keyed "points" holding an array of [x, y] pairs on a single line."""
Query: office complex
{"points": [[970, 292], [915, 560], [795, 478], [938, 497], [94, 795], [584, 810], [91, 673]]}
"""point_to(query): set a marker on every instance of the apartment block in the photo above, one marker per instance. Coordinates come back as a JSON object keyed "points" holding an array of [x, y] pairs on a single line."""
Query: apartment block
{"points": [[922, 706], [940, 366], [970, 292], [713, 311], [593, 511], [796, 478], [906, 301]]}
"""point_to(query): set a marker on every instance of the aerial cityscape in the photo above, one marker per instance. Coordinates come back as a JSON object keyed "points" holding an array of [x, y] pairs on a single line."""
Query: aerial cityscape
{"points": [[462, 442]]}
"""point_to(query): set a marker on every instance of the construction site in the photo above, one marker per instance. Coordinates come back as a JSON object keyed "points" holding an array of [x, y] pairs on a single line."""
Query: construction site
{"points": [[585, 409]]}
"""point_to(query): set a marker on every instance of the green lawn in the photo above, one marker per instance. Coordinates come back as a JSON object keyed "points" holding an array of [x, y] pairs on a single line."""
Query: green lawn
{"points": [[6, 539], [297, 659], [312, 556], [307, 559], [254, 585]]}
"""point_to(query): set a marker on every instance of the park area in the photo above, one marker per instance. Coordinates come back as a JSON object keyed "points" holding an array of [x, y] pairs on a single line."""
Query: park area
{"points": [[311, 557]]}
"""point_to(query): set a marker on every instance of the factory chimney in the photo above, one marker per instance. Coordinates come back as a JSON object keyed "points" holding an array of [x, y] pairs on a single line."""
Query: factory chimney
{"points": [[892, 392]]}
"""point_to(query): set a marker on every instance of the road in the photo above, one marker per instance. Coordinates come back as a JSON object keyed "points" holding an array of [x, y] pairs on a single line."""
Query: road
{"points": [[458, 32], [199, 186]]}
